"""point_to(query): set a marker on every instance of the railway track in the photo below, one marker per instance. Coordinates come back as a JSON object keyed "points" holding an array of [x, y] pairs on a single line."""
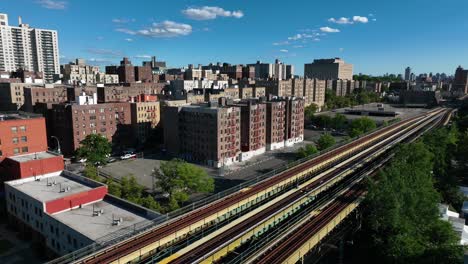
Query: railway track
{"points": [[203, 250], [284, 249], [148, 242]]}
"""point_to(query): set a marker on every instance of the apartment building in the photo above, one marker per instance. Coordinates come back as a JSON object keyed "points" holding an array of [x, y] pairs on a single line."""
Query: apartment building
{"points": [[294, 121], [79, 73], [72, 122], [21, 133], [329, 69], [31, 49], [278, 70], [146, 117], [275, 124], [125, 92], [208, 133], [253, 121], [12, 95], [48, 94], [65, 212]]}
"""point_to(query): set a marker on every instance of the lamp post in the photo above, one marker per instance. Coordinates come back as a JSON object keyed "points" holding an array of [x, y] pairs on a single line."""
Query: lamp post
{"points": [[58, 144]]}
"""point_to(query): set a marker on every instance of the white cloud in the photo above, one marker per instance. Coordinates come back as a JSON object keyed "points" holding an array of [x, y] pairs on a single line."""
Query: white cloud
{"points": [[129, 39], [123, 20], [165, 29], [341, 20], [51, 4], [298, 46], [329, 30], [374, 19], [295, 37], [341, 49], [282, 43], [371, 15], [360, 19], [284, 50], [210, 12], [142, 56], [106, 52]]}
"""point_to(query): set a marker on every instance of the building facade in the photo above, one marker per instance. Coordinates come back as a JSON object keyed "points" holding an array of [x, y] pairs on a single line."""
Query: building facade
{"points": [[329, 69], [21, 133], [28, 48], [253, 121], [71, 123]]}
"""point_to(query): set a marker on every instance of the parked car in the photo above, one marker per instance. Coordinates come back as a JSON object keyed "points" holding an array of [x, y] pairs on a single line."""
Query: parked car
{"points": [[83, 160], [111, 159], [128, 156]]}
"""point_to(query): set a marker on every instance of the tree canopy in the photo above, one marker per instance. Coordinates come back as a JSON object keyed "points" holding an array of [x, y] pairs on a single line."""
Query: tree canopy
{"points": [[402, 223], [361, 126], [306, 151], [95, 149], [325, 141], [178, 179]]}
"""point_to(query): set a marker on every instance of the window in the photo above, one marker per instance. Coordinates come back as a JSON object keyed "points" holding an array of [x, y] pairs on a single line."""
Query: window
{"points": [[24, 149], [23, 128], [16, 150], [1, 153], [24, 139], [14, 129]]}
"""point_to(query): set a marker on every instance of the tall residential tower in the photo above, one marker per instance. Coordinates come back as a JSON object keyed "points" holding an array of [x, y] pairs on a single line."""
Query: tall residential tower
{"points": [[30, 49]]}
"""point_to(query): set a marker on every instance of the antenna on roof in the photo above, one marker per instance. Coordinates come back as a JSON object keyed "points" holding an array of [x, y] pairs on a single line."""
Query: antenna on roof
{"points": [[97, 212]]}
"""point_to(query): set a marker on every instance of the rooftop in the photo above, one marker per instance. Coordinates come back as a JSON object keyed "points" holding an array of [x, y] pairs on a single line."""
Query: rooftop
{"points": [[95, 227], [33, 156], [6, 116], [49, 188]]}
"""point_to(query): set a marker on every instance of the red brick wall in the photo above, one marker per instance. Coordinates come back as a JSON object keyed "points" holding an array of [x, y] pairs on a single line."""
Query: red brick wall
{"points": [[35, 133], [13, 170], [75, 200]]}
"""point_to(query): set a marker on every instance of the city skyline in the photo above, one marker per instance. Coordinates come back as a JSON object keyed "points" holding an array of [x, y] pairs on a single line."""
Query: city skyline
{"points": [[189, 32]]}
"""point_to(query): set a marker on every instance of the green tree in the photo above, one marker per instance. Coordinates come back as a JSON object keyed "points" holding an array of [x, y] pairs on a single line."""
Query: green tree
{"points": [[402, 222], [323, 121], [306, 151], [360, 126], [90, 171], [325, 141], [179, 179], [339, 121], [113, 187], [150, 203], [130, 189], [309, 112], [95, 149]]}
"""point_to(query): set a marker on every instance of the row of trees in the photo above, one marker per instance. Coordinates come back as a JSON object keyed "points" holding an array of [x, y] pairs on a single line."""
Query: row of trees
{"points": [[401, 222], [324, 142], [358, 97], [389, 78]]}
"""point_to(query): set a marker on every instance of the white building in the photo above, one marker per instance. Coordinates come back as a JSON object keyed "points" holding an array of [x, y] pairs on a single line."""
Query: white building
{"points": [[79, 73], [28, 48], [68, 211]]}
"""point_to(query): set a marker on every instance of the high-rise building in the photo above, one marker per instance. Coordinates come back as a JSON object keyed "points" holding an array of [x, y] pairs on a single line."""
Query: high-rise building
{"points": [[278, 70], [329, 69], [30, 49], [408, 74]]}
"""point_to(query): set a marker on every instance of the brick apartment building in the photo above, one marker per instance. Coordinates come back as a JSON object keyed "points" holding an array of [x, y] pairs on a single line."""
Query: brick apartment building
{"points": [[71, 123], [11, 95], [253, 120], [275, 124], [23, 147], [21, 133], [208, 133], [146, 117], [124, 93], [294, 121], [49, 95]]}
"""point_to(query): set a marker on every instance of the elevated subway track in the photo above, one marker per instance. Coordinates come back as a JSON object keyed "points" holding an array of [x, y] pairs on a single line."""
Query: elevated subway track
{"points": [[212, 248], [151, 241]]}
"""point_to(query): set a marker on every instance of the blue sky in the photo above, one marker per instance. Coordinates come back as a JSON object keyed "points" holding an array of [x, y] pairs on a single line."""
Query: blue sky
{"points": [[376, 36]]}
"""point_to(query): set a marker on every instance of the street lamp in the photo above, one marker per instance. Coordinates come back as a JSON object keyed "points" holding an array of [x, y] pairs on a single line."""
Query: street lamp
{"points": [[58, 144]]}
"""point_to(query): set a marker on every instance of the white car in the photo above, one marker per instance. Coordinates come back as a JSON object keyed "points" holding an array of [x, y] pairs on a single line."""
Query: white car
{"points": [[83, 160], [128, 156]]}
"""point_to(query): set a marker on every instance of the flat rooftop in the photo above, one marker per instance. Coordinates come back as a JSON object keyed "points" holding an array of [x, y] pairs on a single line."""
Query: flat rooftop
{"points": [[40, 190], [95, 227], [33, 156], [6, 116]]}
